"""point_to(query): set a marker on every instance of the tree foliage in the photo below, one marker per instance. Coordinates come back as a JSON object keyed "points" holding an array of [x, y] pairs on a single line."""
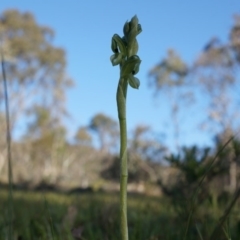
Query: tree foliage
{"points": [[36, 69], [212, 81], [83, 137], [145, 145], [194, 165], [216, 71], [106, 129], [170, 78], [169, 72]]}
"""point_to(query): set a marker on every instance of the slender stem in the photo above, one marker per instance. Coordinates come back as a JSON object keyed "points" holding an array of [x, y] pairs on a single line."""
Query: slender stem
{"points": [[125, 50], [8, 137], [223, 219], [121, 104]]}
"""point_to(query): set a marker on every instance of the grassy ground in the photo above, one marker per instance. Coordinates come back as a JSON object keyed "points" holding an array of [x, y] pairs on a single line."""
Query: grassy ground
{"points": [[95, 216]]}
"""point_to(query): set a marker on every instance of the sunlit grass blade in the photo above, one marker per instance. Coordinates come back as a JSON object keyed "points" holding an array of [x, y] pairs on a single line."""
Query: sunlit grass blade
{"points": [[200, 185], [49, 218], [9, 155], [225, 216]]}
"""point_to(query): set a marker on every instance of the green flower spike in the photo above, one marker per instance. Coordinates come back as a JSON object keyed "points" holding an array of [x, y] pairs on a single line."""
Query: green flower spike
{"points": [[131, 30], [125, 55]]}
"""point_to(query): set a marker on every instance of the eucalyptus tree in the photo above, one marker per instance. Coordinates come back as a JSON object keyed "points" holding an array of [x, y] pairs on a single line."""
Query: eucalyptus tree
{"points": [[83, 137], [35, 68], [212, 81], [46, 136], [169, 77], [146, 144], [216, 71], [106, 129]]}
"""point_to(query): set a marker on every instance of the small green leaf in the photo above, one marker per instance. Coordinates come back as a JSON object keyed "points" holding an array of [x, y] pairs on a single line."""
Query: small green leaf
{"points": [[116, 58], [133, 81], [130, 66]]}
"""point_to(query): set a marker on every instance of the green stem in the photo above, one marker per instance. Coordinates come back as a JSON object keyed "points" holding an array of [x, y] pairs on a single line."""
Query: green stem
{"points": [[121, 104], [125, 50], [9, 156]]}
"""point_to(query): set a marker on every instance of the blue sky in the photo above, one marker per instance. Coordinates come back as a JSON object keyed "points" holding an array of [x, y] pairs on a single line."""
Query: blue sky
{"points": [[84, 29]]}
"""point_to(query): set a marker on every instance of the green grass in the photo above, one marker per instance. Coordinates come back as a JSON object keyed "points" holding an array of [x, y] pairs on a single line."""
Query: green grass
{"points": [[97, 213], [53, 215]]}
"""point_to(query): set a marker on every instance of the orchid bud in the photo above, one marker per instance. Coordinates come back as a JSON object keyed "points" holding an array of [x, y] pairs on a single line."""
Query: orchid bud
{"points": [[126, 29], [134, 22]]}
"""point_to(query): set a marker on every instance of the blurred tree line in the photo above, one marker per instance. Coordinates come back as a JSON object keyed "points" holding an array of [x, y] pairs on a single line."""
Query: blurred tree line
{"points": [[37, 80], [211, 86]]}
